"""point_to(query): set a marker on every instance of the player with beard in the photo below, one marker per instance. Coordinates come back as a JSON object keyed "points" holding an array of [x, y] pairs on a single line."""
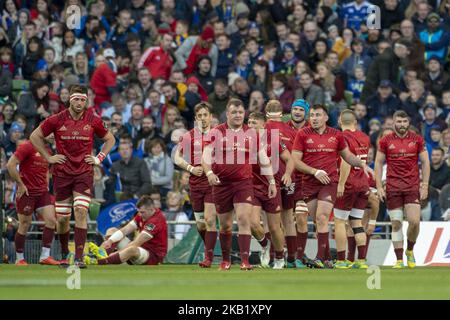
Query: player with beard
{"points": [[401, 150], [227, 160], [148, 131], [315, 152], [189, 157], [73, 173]]}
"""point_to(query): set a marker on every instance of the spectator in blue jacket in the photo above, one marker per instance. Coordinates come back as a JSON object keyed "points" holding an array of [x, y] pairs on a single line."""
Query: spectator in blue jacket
{"points": [[434, 35]]}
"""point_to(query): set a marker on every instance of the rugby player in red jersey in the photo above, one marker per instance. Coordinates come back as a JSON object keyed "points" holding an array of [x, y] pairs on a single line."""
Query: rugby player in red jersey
{"points": [[315, 153], [227, 161], [274, 113], [32, 196], [74, 130], [352, 194], [271, 206], [189, 157], [149, 246], [401, 150]]}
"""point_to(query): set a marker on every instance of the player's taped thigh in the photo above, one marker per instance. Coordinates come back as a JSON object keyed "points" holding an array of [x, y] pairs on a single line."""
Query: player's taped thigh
{"points": [[341, 214], [143, 257], [397, 215], [81, 202], [356, 214], [63, 209], [301, 207], [199, 217]]}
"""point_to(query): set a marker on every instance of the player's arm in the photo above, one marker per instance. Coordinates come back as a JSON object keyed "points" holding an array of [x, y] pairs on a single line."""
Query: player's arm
{"points": [[266, 170], [320, 175], [424, 160], [183, 164], [206, 164], [344, 172], [287, 158], [12, 165], [110, 141], [140, 239], [354, 161], [120, 234], [379, 162], [37, 138]]}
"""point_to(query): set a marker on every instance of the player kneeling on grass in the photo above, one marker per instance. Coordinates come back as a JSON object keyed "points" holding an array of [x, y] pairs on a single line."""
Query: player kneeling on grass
{"points": [[149, 246], [32, 195]]}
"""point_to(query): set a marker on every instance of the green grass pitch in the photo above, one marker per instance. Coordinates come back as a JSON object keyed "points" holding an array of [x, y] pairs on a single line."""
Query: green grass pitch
{"points": [[191, 282]]}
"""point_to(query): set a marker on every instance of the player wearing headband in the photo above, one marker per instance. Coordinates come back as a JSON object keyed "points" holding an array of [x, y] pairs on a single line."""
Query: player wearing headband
{"points": [[74, 130]]}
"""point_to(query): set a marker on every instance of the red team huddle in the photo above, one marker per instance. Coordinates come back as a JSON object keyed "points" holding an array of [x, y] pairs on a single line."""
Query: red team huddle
{"points": [[269, 171]]}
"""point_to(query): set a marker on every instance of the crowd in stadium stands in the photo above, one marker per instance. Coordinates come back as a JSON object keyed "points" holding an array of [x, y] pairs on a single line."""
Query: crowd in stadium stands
{"points": [[149, 62]]}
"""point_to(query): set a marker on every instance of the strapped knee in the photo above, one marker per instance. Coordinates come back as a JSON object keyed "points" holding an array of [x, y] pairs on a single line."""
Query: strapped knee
{"points": [[199, 217], [301, 207], [64, 209], [357, 230], [81, 202], [397, 215]]}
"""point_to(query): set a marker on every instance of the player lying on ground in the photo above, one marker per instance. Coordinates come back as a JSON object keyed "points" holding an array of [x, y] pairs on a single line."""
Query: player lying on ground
{"points": [[402, 150], [148, 248], [32, 196]]}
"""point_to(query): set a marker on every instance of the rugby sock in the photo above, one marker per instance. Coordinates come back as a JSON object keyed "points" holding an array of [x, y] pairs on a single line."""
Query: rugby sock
{"points": [[322, 239], [362, 252], [80, 240], [263, 241], [45, 253], [327, 254], [64, 241], [279, 254], [19, 241], [225, 245], [302, 238], [411, 245], [341, 255], [202, 234], [244, 246], [113, 259], [291, 244], [367, 243], [272, 249], [351, 243], [399, 253], [47, 237], [210, 244]]}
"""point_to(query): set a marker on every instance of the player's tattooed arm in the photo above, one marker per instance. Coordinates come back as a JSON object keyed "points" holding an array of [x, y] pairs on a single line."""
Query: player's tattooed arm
{"points": [[38, 140], [379, 162], [12, 164], [425, 162], [344, 172]]}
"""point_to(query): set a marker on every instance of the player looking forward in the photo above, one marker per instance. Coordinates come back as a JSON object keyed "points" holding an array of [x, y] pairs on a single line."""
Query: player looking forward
{"points": [[402, 150], [74, 130]]}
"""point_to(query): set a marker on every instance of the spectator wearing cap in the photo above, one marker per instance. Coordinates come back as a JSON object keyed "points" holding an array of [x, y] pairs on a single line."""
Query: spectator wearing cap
{"points": [[289, 60], [119, 33], [386, 66], [194, 47], [436, 79], [358, 58], [435, 38], [383, 102], [9, 143], [104, 79], [226, 55], [159, 61], [34, 104], [431, 121], [203, 74]]}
